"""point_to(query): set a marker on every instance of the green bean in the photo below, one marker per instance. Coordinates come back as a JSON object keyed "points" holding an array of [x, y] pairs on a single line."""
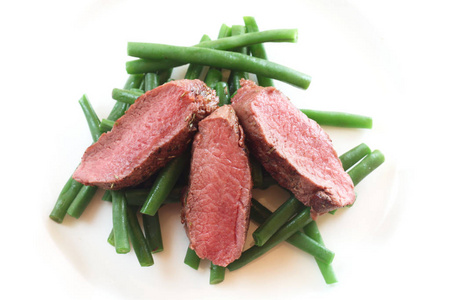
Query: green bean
{"points": [[259, 213], [212, 77], [106, 125], [327, 271], [257, 50], [140, 245], [152, 65], [164, 75], [107, 196], [164, 183], [310, 246], [216, 274], [70, 199], [222, 91], [194, 71], [257, 172], [133, 81], [191, 259], [152, 229], [126, 96], [215, 75], [91, 117], [65, 199], [151, 81], [338, 119], [277, 219], [142, 86], [226, 60], [138, 196], [120, 222], [366, 166], [224, 31], [352, 156], [236, 76], [75, 197], [144, 50], [81, 201], [287, 230], [111, 239], [86, 193], [267, 182]]}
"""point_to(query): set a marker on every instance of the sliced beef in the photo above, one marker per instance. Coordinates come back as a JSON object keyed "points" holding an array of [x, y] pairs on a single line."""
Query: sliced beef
{"points": [[156, 128], [216, 206], [294, 149]]}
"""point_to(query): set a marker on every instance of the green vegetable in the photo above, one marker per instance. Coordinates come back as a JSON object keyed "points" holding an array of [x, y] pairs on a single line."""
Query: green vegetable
{"points": [[86, 193], [327, 271], [222, 92], [236, 76], [352, 156], [111, 239], [213, 77], [226, 43], [191, 259], [194, 71], [126, 96], [216, 274], [65, 199], [107, 196], [164, 183], [257, 50], [138, 240], [366, 166], [120, 222], [257, 172], [81, 201], [138, 196], [338, 119], [259, 213], [144, 50], [287, 230], [133, 81], [91, 117], [152, 229], [151, 81], [106, 125], [164, 75], [222, 59], [224, 31], [277, 219]]}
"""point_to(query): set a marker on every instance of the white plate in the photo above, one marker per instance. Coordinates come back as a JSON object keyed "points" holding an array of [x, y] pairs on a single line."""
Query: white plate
{"points": [[358, 63]]}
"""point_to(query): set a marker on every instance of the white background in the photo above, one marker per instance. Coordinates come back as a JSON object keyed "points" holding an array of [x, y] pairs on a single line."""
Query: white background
{"points": [[386, 59]]}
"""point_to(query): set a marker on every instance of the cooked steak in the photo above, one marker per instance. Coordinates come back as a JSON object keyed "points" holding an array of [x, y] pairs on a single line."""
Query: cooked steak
{"points": [[294, 149], [216, 206], [156, 128]]}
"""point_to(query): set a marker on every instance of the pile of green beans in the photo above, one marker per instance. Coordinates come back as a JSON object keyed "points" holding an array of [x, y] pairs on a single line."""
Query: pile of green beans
{"points": [[238, 52]]}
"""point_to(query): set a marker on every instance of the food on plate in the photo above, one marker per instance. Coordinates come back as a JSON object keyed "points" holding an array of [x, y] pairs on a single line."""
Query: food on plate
{"points": [[152, 129], [216, 207], [294, 149], [158, 127]]}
